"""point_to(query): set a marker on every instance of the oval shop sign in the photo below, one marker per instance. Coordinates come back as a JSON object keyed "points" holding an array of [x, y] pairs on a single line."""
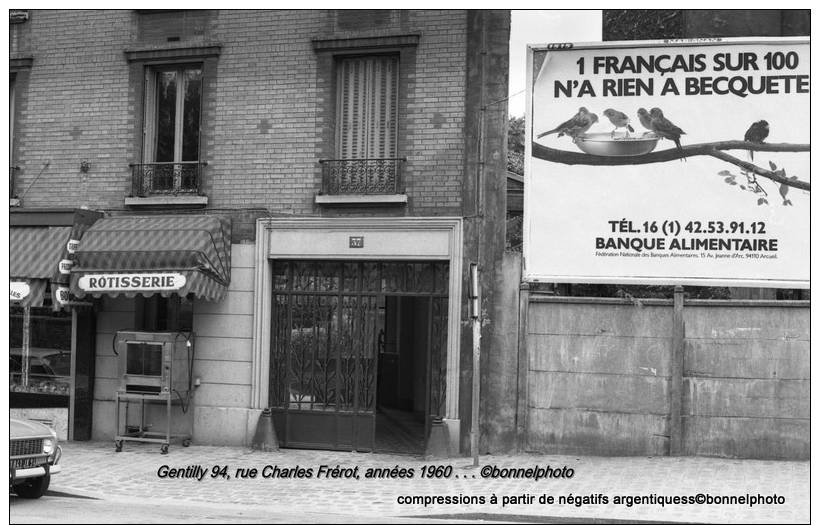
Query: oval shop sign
{"points": [[131, 282], [18, 290]]}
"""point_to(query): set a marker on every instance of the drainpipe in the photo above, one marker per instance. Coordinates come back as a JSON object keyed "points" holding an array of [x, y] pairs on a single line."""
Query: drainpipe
{"points": [[475, 309], [26, 350], [474, 267]]}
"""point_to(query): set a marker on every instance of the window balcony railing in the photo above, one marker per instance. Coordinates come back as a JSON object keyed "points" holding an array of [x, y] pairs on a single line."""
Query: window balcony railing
{"points": [[166, 178], [363, 176]]}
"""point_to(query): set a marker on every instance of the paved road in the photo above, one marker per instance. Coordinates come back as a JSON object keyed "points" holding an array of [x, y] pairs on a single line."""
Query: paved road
{"points": [[94, 469], [66, 508]]}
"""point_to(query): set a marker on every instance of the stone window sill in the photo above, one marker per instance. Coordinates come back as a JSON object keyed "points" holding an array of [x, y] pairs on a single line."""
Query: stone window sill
{"points": [[362, 200], [165, 201]]}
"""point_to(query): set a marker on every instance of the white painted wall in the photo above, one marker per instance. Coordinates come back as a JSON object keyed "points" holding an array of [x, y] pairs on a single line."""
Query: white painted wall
{"points": [[224, 355]]}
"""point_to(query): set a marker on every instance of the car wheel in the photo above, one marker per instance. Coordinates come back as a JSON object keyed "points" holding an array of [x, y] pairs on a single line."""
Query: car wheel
{"points": [[33, 488]]}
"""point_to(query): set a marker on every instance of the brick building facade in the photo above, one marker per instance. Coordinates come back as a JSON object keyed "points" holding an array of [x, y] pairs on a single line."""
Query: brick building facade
{"points": [[267, 108], [324, 141]]}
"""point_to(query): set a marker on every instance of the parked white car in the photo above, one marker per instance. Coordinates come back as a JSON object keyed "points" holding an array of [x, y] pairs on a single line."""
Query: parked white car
{"points": [[34, 457]]}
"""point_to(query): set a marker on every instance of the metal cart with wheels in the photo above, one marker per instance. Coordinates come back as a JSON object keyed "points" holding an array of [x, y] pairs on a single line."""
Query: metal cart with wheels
{"points": [[155, 368], [141, 433]]}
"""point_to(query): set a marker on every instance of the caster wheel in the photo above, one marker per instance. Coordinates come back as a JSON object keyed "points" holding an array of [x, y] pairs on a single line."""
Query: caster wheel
{"points": [[163, 449], [118, 446], [186, 442]]}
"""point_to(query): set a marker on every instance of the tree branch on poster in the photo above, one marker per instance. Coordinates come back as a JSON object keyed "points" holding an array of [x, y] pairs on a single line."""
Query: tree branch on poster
{"points": [[711, 149]]}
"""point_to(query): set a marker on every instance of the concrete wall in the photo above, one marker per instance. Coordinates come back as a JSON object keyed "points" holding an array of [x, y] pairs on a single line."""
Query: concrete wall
{"points": [[499, 362], [746, 381], [598, 378], [219, 409]]}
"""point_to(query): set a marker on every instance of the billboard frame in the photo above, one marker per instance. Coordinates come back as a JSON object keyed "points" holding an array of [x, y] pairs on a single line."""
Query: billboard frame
{"points": [[634, 280]]}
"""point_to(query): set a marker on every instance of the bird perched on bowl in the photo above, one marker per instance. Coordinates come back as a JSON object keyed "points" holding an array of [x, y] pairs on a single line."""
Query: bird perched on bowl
{"points": [[646, 119], [665, 128], [619, 120], [756, 133], [577, 125]]}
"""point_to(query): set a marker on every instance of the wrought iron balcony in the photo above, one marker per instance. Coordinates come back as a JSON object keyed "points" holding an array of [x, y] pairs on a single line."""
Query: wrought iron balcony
{"points": [[166, 178], [362, 176]]}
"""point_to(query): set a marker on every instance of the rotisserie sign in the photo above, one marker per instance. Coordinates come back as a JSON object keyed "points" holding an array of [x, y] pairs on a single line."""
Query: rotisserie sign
{"points": [[674, 162], [131, 282]]}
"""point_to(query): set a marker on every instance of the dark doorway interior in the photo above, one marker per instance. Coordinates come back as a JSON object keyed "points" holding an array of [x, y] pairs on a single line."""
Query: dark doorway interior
{"points": [[358, 353], [402, 393]]}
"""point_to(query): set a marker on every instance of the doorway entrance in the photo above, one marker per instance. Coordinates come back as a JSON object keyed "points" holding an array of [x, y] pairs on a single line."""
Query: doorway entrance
{"points": [[402, 389], [358, 353]]}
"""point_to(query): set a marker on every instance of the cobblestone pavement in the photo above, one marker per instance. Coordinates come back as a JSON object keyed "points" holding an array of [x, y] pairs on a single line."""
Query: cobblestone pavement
{"points": [[95, 469]]}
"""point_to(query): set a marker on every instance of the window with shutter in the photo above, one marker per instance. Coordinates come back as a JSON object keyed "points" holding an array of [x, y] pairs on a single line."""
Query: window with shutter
{"points": [[367, 107]]}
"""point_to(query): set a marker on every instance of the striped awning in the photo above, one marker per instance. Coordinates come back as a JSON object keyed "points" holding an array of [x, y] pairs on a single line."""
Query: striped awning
{"points": [[126, 252], [34, 255]]}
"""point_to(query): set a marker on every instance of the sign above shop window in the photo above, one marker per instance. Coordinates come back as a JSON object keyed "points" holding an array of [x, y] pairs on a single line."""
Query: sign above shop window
{"points": [[137, 282], [61, 295], [72, 245], [65, 266], [18, 290]]}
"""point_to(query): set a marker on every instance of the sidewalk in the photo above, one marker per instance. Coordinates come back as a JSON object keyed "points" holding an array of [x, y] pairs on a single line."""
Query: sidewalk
{"points": [[95, 469]]}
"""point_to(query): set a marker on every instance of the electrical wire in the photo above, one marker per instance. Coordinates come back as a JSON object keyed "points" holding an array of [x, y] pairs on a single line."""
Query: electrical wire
{"points": [[185, 404], [114, 341]]}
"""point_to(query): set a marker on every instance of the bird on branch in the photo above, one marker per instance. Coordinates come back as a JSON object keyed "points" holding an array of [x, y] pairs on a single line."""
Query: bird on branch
{"points": [[578, 124], [666, 129], [646, 120], [756, 133], [619, 120]]}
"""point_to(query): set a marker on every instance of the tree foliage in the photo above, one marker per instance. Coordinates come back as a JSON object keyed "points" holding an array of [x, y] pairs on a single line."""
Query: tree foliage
{"points": [[642, 24], [516, 134], [515, 145]]}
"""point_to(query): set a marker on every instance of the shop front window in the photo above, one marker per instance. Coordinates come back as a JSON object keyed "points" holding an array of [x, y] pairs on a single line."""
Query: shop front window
{"points": [[164, 314], [44, 365]]}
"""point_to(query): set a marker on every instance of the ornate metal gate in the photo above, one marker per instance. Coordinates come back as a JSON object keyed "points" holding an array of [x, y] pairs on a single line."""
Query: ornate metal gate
{"points": [[325, 326]]}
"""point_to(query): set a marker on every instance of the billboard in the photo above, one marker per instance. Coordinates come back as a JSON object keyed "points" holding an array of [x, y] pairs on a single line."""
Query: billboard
{"points": [[669, 162]]}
